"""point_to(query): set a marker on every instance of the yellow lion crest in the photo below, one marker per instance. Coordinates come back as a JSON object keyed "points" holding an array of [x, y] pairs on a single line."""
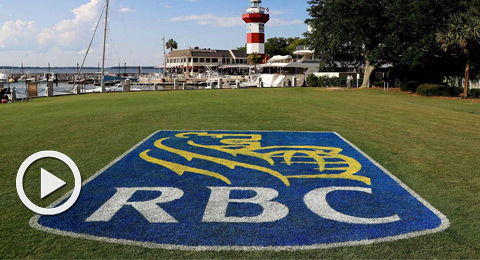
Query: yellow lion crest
{"points": [[327, 162]]}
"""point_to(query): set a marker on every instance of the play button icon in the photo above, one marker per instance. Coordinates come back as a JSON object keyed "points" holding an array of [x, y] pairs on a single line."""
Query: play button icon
{"points": [[49, 183]]}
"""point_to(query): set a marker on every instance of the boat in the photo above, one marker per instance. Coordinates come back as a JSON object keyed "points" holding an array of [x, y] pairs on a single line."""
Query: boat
{"points": [[105, 79], [251, 81], [280, 71], [155, 78], [109, 78], [48, 76], [3, 79], [4, 76], [26, 78], [5, 91]]}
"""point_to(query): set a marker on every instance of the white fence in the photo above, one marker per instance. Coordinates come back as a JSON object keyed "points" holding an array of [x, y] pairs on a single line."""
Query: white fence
{"points": [[459, 82]]}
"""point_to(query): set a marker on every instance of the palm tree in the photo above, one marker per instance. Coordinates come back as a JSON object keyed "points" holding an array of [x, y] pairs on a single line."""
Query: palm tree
{"points": [[255, 59], [463, 31], [172, 44]]}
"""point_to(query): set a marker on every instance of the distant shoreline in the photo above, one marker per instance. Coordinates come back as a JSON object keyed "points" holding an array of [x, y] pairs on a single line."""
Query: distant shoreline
{"points": [[85, 70], [69, 67]]}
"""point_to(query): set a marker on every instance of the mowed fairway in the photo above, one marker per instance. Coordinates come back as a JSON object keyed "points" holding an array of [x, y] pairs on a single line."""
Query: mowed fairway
{"points": [[432, 145]]}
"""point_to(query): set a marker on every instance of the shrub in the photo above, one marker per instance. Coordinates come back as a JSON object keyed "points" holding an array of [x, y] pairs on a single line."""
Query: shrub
{"points": [[475, 93], [410, 86], [312, 81], [333, 82], [438, 90], [324, 81], [455, 91], [431, 90], [337, 81], [380, 83], [397, 83]]}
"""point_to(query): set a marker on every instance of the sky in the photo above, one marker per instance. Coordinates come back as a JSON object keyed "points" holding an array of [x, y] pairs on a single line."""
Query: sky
{"points": [[38, 32]]}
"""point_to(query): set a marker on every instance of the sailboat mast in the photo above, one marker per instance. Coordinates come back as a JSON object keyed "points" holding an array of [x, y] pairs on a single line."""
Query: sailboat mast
{"points": [[104, 46], [164, 57]]}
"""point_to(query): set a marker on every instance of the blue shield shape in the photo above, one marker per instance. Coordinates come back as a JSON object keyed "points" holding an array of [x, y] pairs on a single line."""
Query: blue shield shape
{"points": [[217, 190]]}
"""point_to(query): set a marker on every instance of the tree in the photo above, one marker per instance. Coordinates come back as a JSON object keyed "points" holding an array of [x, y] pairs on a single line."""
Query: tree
{"points": [[403, 34], [172, 45], [292, 47], [243, 49], [462, 34], [411, 44], [282, 46], [349, 31], [276, 46], [255, 59]]}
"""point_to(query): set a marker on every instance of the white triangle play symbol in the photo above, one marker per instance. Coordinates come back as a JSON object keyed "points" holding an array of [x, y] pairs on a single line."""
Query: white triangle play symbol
{"points": [[49, 183]]}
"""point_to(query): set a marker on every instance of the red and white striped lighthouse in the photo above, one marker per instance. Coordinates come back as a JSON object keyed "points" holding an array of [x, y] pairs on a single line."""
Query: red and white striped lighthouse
{"points": [[256, 18]]}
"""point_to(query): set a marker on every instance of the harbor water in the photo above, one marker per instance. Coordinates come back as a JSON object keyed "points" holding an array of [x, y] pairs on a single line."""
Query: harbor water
{"points": [[59, 89], [87, 70]]}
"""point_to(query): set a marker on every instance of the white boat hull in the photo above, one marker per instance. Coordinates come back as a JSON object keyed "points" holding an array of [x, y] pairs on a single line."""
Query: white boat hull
{"points": [[279, 80]]}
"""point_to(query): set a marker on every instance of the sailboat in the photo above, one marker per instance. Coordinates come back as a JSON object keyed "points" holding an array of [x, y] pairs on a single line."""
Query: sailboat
{"points": [[110, 79], [106, 79]]}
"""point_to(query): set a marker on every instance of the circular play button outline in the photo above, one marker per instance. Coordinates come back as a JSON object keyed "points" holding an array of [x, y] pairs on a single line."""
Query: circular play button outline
{"points": [[73, 197]]}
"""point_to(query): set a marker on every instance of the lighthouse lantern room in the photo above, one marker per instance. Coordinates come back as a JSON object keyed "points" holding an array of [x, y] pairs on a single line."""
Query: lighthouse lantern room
{"points": [[256, 18]]}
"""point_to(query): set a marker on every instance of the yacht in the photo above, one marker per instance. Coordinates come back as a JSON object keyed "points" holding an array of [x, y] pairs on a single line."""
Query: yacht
{"points": [[281, 70], [4, 76]]}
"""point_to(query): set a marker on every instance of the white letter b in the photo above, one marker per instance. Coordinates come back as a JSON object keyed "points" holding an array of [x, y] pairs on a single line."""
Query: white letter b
{"points": [[216, 210]]}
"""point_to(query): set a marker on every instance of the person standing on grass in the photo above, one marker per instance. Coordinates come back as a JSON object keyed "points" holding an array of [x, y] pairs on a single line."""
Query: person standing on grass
{"points": [[349, 81]]}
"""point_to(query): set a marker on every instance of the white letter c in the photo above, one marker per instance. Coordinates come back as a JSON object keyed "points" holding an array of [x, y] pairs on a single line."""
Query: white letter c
{"points": [[316, 201]]}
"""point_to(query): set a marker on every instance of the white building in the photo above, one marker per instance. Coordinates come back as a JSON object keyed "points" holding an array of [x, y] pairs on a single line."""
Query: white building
{"points": [[196, 61]]}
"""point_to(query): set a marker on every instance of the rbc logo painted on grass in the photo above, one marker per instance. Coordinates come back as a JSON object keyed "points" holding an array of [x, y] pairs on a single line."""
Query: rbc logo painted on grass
{"points": [[214, 190]]}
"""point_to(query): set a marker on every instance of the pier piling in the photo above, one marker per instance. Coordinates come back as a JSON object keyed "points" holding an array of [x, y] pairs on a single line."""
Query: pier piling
{"points": [[220, 83], [14, 94], [49, 89], [126, 86], [77, 89], [175, 83], [32, 89]]}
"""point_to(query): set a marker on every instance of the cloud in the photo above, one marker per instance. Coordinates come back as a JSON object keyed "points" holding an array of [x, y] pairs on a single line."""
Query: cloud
{"points": [[165, 5], [230, 21], [209, 19], [283, 22], [17, 34], [83, 51], [68, 33], [277, 12], [127, 10]]}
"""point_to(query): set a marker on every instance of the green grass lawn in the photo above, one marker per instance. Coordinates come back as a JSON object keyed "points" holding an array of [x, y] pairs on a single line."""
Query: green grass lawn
{"points": [[432, 145]]}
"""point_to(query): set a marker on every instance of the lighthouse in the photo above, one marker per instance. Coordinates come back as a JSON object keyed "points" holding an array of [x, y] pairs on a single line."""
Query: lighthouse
{"points": [[256, 18]]}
